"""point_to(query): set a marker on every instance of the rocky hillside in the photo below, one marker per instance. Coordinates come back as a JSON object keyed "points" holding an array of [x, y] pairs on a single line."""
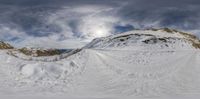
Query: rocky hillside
{"points": [[4, 45], [148, 39], [36, 52]]}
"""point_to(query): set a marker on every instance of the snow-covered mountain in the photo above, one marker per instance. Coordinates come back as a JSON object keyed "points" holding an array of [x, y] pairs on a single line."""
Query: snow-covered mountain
{"points": [[152, 39], [144, 63]]}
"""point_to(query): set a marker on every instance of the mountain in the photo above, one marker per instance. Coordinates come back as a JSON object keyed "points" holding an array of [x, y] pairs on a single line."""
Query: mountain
{"points": [[139, 63], [4, 45], [148, 39], [36, 52]]}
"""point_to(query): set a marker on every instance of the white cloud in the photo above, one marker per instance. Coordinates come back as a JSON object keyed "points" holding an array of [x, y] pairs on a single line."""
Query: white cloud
{"points": [[7, 33], [91, 21], [52, 42]]}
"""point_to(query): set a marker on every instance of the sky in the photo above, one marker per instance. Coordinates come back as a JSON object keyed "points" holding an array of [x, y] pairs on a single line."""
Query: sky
{"points": [[73, 23]]}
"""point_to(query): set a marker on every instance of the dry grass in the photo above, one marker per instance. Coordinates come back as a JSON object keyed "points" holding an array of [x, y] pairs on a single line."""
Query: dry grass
{"points": [[168, 30], [192, 38], [37, 53], [5, 45]]}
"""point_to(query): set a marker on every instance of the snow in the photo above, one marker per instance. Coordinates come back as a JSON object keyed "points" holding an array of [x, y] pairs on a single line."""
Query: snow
{"points": [[141, 42], [131, 70]]}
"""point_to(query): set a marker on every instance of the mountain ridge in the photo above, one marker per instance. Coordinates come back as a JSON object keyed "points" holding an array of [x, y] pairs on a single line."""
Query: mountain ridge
{"points": [[149, 36], [148, 39], [4, 45]]}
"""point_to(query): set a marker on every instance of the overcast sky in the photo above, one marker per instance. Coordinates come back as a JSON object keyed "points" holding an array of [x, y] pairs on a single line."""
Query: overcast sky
{"points": [[40, 21]]}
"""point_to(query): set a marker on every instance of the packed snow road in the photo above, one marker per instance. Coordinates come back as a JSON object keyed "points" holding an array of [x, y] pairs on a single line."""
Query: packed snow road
{"points": [[99, 73], [143, 73]]}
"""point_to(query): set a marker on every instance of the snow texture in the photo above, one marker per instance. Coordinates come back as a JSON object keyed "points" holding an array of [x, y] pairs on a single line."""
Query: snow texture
{"points": [[134, 64]]}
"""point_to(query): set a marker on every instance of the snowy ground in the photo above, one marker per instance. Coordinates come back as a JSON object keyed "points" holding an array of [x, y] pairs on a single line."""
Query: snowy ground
{"points": [[104, 73], [159, 65]]}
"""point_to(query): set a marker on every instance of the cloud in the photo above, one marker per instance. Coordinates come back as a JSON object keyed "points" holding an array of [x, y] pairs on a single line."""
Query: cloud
{"points": [[59, 21], [51, 42], [179, 18], [8, 33], [85, 21]]}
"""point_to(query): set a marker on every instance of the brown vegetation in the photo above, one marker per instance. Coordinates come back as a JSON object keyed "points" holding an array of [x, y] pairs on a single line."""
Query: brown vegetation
{"points": [[39, 52], [4, 45]]}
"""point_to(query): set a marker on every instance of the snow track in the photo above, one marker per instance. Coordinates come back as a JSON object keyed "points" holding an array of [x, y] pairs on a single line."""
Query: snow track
{"points": [[99, 72], [106, 75]]}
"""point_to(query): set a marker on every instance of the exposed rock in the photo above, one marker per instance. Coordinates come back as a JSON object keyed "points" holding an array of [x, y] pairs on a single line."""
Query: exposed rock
{"points": [[40, 52], [4, 45]]}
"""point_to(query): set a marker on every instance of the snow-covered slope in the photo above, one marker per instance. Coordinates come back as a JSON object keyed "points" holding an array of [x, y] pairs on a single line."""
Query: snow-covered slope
{"points": [[148, 40], [144, 63]]}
